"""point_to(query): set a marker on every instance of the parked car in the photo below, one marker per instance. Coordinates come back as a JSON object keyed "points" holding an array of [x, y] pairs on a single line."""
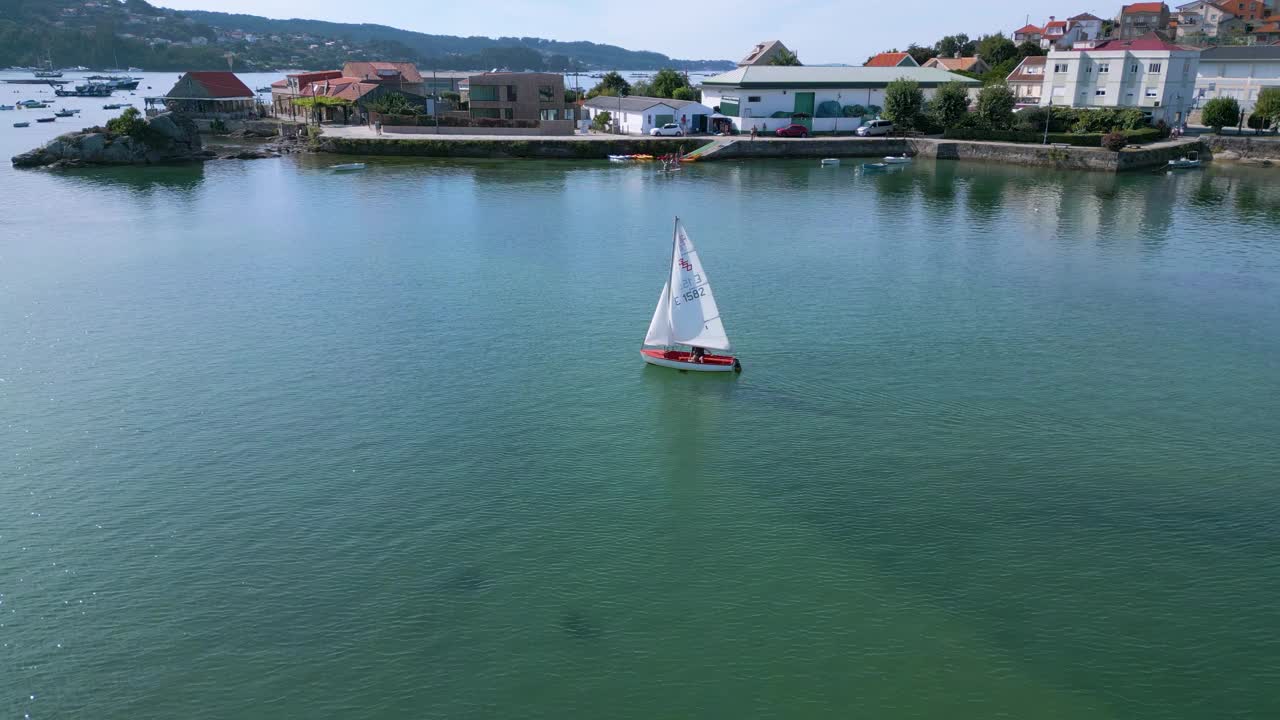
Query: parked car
{"points": [[668, 129], [875, 127], [793, 130]]}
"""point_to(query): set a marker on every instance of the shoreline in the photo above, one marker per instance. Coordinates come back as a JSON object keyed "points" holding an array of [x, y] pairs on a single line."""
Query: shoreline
{"points": [[710, 149]]}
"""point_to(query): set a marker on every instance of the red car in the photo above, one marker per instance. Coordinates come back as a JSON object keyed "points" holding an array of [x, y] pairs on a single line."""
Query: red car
{"points": [[793, 130]]}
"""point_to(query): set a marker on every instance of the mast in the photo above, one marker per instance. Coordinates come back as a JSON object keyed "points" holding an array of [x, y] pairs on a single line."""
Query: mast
{"points": [[671, 268]]}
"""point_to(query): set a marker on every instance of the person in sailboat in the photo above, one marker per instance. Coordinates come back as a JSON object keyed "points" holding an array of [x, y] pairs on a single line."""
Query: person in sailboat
{"points": [[697, 354]]}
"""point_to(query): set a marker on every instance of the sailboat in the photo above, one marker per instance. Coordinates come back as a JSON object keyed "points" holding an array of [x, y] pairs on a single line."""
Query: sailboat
{"points": [[687, 315]]}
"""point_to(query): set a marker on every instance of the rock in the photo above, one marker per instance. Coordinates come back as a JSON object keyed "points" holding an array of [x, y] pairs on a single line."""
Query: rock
{"points": [[169, 137], [1226, 155], [249, 155]]}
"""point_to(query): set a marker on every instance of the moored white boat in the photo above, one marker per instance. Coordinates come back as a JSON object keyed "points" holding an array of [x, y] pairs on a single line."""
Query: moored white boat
{"points": [[347, 167], [830, 162], [896, 159], [687, 315], [1190, 160]]}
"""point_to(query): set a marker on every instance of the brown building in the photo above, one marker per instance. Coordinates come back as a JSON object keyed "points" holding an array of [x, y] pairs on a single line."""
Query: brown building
{"points": [[400, 75], [519, 96]]}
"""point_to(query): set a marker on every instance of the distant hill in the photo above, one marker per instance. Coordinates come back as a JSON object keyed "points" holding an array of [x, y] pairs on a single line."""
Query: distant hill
{"points": [[119, 33]]}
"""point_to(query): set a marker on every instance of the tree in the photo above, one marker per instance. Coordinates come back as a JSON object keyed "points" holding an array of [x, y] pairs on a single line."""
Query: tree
{"points": [[685, 93], [951, 45], [666, 82], [921, 54], [601, 121], [643, 89], [1268, 105], [996, 49], [785, 57], [1220, 112], [995, 106], [950, 103], [612, 82], [1000, 71], [903, 103], [1257, 123], [1027, 48]]}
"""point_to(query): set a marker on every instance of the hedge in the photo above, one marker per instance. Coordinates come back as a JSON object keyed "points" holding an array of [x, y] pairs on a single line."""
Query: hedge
{"points": [[1145, 135]]}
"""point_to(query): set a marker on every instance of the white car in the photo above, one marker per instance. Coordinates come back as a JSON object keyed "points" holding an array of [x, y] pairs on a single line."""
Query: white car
{"points": [[668, 129], [875, 127]]}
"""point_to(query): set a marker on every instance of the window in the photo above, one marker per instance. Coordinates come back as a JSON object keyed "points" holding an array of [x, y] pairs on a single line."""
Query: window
{"points": [[1104, 68], [1153, 68], [508, 113], [484, 92], [1059, 67], [511, 93], [1059, 92], [546, 93], [753, 98], [1100, 92], [1134, 68], [485, 113], [1151, 92], [547, 114], [1088, 68]]}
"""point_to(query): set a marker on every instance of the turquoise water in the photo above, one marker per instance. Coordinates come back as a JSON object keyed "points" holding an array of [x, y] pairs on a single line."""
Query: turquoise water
{"points": [[283, 443]]}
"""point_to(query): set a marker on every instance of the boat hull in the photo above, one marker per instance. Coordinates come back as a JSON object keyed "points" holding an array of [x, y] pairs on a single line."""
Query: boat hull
{"points": [[680, 360]]}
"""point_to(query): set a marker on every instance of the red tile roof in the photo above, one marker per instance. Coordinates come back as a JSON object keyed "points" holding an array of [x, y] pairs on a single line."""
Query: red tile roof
{"points": [[306, 78], [1271, 27], [1028, 29], [1056, 24], [888, 59], [1253, 9], [221, 84], [1020, 74], [1144, 7], [963, 63]]}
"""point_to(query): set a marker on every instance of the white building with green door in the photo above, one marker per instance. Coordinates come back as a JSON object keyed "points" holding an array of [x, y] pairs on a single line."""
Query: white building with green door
{"points": [[769, 97]]}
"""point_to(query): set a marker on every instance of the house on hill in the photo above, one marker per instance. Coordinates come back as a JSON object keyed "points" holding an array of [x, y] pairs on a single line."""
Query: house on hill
{"points": [[1138, 19], [213, 95], [403, 75], [892, 59]]}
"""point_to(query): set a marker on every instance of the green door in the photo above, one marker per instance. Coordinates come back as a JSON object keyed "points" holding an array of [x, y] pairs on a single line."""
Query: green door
{"points": [[804, 104]]}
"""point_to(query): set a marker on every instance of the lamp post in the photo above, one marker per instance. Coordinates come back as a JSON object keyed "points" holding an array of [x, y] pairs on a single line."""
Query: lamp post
{"points": [[1048, 115]]}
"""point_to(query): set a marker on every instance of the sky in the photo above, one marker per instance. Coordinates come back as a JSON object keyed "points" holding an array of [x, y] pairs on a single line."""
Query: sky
{"points": [[819, 31]]}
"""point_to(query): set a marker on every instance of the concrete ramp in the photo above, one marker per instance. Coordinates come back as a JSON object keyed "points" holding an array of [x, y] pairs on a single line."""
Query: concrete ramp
{"points": [[708, 151]]}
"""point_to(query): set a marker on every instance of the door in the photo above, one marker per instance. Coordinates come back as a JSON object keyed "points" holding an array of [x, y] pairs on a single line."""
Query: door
{"points": [[804, 104]]}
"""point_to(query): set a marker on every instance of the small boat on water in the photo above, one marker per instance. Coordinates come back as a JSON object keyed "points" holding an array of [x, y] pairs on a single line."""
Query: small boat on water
{"points": [[22, 124], [86, 90], [115, 106], [687, 315], [830, 162], [875, 166], [896, 159], [32, 104], [8, 107], [347, 167], [1188, 161], [63, 113], [46, 119]]}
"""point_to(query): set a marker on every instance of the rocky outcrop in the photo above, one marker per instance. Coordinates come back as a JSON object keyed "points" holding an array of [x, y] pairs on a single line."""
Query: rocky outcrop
{"points": [[168, 138]]}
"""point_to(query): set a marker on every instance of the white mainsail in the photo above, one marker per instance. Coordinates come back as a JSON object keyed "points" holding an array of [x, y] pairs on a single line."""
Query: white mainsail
{"points": [[687, 312]]}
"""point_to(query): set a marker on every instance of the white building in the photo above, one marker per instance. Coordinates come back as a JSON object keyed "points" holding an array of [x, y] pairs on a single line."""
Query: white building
{"points": [[771, 97], [637, 115], [1148, 73], [1237, 71]]}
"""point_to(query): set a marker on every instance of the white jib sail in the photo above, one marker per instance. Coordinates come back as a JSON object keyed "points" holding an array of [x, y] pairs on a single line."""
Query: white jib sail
{"points": [[695, 319], [660, 326]]}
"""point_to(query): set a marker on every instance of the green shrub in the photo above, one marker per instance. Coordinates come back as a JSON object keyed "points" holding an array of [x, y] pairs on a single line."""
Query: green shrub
{"points": [[903, 103], [1220, 112], [995, 106], [950, 104], [601, 121], [853, 111], [217, 127]]}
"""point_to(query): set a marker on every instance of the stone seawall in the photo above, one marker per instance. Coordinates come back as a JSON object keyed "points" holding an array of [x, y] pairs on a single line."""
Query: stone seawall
{"points": [[1066, 158], [745, 148], [1248, 148], [534, 147]]}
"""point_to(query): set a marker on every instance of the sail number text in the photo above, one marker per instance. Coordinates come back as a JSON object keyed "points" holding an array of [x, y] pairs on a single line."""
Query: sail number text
{"points": [[691, 295]]}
